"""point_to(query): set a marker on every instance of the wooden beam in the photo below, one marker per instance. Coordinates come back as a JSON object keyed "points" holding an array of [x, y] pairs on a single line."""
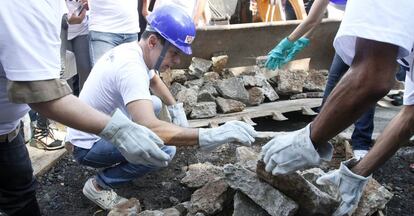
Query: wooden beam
{"points": [[308, 111], [248, 120], [278, 116]]}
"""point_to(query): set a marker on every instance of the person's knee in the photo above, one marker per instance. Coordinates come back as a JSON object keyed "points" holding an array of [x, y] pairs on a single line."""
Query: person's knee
{"points": [[157, 104], [170, 150]]}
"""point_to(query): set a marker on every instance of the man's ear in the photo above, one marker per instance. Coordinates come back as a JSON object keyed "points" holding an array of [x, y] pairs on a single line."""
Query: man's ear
{"points": [[152, 41]]}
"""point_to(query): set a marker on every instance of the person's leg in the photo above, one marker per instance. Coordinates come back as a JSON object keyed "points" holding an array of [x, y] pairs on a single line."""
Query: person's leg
{"points": [[336, 71], [370, 77], [17, 197], [100, 43], [397, 132], [157, 104], [80, 47]]}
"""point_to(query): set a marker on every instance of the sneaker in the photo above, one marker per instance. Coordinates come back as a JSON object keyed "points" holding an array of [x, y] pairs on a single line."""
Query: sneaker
{"points": [[43, 138], [105, 199], [359, 154]]}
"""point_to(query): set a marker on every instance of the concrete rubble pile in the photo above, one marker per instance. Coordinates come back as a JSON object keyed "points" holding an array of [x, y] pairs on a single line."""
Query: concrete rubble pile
{"points": [[208, 88], [245, 189]]}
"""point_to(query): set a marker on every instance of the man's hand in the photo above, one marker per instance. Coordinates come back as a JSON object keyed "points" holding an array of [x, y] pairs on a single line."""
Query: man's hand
{"points": [[350, 186], [178, 116], [276, 57], [233, 131], [138, 144], [292, 151]]}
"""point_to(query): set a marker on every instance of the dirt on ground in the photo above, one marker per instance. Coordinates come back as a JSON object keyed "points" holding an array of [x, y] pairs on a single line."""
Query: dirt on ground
{"points": [[60, 189]]}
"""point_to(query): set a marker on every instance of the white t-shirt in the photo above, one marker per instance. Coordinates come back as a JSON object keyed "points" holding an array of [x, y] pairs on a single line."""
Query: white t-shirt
{"points": [[75, 30], [29, 49], [380, 20], [409, 79], [119, 77], [114, 16]]}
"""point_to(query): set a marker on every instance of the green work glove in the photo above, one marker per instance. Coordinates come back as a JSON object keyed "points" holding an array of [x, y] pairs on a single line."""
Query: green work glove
{"points": [[277, 55], [298, 46]]}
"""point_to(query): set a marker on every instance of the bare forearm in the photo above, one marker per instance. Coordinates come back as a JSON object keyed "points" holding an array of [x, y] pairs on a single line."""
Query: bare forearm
{"points": [[397, 132], [174, 135], [72, 112], [314, 18]]}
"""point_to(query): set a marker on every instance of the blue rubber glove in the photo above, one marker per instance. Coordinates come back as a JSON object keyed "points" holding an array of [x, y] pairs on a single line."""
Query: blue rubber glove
{"points": [[278, 54], [298, 46]]}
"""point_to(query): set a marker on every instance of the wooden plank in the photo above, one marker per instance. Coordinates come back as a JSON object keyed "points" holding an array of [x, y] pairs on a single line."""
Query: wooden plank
{"points": [[277, 116], [266, 109], [43, 160], [308, 111], [248, 120]]}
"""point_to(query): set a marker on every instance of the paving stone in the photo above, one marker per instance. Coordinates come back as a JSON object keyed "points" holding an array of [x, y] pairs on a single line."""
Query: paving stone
{"points": [[175, 88], [188, 97], [267, 197], [311, 200], [256, 96], [210, 199], [179, 76], [204, 110], [290, 81], [199, 66], [211, 76], [244, 206], [219, 62], [374, 198], [229, 105], [200, 174], [315, 81], [196, 82], [233, 88]]}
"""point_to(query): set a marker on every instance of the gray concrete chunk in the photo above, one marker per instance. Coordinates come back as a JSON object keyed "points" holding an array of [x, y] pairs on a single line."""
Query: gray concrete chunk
{"points": [[233, 88], [204, 110]]}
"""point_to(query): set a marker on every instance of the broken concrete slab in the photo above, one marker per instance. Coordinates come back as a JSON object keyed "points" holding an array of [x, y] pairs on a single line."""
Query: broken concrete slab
{"points": [[209, 87], [210, 198], [188, 97], [183, 207], [233, 88], [200, 174], [269, 91], [219, 62], [178, 76], [256, 96], [313, 174], [290, 81], [244, 154], [205, 96], [244, 206], [315, 81], [199, 66], [267, 197], [307, 95], [175, 88], [204, 110], [151, 213], [129, 208], [311, 200], [229, 105], [252, 81]]}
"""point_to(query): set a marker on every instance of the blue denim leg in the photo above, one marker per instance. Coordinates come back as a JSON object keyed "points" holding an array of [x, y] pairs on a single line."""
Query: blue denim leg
{"points": [[101, 42], [17, 183], [364, 126], [157, 104], [117, 169]]}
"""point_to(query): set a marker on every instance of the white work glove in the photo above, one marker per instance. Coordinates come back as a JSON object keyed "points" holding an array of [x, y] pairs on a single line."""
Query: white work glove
{"points": [[293, 151], [350, 186], [232, 131], [177, 114], [138, 144]]}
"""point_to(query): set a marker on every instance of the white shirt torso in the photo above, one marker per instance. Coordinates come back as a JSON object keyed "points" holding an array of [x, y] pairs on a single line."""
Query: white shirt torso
{"points": [[119, 77]]}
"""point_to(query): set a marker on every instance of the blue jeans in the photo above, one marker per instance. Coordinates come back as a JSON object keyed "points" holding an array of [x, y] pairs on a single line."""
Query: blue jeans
{"points": [[117, 170], [364, 126], [17, 183], [101, 42]]}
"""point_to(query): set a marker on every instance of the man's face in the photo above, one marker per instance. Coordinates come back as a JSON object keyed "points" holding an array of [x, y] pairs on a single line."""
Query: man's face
{"points": [[172, 57]]}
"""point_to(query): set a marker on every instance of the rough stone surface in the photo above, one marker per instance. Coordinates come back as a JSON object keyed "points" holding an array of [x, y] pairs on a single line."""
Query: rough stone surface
{"points": [[256, 96], [210, 88], [196, 82], [267, 197], [175, 88], [244, 154], [200, 174], [244, 206], [171, 212], [261, 61], [374, 198], [227, 74], [211, 76], [307, 95], [210, 198], [166, 77], [233, 88], [188, 97], [229, 105], [313, 174], [290, 81], [252, 81], [315, 81], [311, 200], [151, 213], [199, 66], [204, 110], [205, 96], [219, 63], [178, 76], [183, 207], [129, 208]]}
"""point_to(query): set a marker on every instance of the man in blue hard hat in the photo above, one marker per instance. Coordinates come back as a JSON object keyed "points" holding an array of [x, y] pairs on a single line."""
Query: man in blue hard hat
{"points": [[122, 79]]}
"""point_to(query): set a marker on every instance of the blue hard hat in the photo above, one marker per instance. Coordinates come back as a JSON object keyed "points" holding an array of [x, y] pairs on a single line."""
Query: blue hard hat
{"points": [[175, 25], [339, 2]]}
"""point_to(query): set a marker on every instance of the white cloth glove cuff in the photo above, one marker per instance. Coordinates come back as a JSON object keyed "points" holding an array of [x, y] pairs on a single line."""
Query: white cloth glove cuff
{"points": [[117, 121]]}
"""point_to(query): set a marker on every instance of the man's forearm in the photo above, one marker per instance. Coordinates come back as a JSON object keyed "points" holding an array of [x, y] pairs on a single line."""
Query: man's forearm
{"points": [[74, 113], [397, 132], [174, 135]]}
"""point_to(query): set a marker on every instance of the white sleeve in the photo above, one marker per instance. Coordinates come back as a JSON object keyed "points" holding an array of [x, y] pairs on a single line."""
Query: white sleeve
{"points": [[133, 83]]}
